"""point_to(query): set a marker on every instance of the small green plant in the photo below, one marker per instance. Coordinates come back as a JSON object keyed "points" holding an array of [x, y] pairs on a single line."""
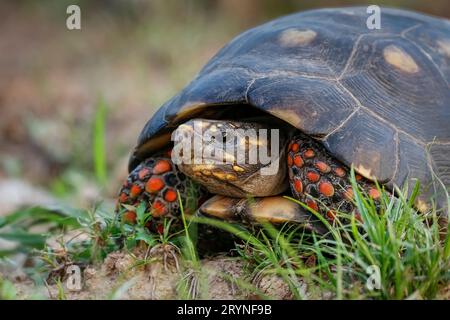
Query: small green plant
{"points": [[192, 282], [7, 290]]}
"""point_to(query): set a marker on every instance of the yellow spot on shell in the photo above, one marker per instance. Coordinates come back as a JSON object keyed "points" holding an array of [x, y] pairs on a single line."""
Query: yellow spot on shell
{"points": [[401, 60], [295, 37], [231, 177], [238, 169], [290, 116], [365, 172], [444, 47]]}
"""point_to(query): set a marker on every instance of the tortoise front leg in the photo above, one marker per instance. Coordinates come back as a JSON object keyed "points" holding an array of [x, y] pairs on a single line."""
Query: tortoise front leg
{"points": [[321, 181], [156, 183]]}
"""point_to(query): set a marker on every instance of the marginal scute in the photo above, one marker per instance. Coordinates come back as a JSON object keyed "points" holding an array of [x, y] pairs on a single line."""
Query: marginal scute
{"points": [[294, 37], [398, 58], [366, 143]]}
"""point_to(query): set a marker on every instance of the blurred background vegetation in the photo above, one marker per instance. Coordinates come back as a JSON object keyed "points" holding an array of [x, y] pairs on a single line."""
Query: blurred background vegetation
{"points": [[72, 103]]}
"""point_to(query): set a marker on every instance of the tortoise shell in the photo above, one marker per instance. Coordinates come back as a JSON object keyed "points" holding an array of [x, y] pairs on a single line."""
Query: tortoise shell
{"points": [[377, 99]]}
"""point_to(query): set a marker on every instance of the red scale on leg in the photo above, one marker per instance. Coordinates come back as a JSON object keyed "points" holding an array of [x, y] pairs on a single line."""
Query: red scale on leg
{"points": [[170, 195], [325, 182], [322, 167], [155, 182], [326, 188], [309, 153], [129, 217], [313, 176], [298, 161], [289, 160], [162, 166], [298, 186], [135, 191], [144, 173], [158, 208], [312, 204]]}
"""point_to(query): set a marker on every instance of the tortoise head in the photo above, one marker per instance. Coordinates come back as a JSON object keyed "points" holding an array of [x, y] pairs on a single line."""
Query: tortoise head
{"points": [[232, 158]]}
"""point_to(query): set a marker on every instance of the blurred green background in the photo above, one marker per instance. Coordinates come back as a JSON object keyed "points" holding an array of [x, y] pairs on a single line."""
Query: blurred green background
{"points": [[73, 102]]}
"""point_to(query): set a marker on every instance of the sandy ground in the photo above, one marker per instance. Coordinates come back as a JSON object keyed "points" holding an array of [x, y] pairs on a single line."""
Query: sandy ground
{"points": [[121, 276]]}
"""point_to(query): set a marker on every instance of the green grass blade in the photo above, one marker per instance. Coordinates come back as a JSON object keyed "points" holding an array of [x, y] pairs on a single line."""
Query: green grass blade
{"points": [[98, 143]]}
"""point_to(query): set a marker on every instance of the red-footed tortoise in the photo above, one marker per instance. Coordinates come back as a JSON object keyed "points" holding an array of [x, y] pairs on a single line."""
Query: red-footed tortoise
{"points": [[340, 95]]}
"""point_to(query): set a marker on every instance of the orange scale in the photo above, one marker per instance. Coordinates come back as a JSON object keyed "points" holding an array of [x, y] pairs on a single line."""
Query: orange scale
{"points": [[313, 176], [339, 172], [162, 166], [123, 197], [326, 188], [348, 194], [154, 184], [170, 195], [298, 186], [331, 215], [289, 160], [135, 191], [298, 161], [159, 209], [309, 153], [143, 173], [295, 147], [129, 217], [374, 193], [312, 204], [322, 167]]}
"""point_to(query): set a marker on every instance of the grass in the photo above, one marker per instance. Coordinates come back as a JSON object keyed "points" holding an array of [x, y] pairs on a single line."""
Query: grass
{"points": [[393, 252], [406, 247], [98, 142]]}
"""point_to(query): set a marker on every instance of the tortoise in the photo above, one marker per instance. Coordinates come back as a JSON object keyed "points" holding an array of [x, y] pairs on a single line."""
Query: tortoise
{"points": [[339, 96]]}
